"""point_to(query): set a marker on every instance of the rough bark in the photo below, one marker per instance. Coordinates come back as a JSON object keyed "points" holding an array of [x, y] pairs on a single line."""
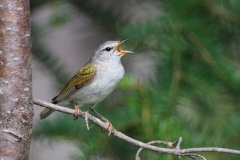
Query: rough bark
{"points": [[16, 110]]}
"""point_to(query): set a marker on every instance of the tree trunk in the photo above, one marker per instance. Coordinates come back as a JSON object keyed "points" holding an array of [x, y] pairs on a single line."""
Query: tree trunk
{"points": [[16, 109]]}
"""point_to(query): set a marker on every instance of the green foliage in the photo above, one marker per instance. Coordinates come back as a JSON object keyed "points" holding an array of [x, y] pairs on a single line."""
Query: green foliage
{"points": [[196, 91]]}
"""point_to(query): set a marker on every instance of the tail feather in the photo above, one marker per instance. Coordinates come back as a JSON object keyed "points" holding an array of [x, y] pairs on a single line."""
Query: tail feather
{"points": [[45, 113]]}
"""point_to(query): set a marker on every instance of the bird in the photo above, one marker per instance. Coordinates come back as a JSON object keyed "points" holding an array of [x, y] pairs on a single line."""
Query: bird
{"points": [[94, 81]]}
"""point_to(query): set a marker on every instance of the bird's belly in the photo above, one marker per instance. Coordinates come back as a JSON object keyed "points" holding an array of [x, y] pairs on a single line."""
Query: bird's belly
{"points": [[97, 90]]}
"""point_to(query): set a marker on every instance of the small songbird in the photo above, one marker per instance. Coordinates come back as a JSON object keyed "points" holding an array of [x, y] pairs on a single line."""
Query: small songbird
{"points": [[94, 81]]}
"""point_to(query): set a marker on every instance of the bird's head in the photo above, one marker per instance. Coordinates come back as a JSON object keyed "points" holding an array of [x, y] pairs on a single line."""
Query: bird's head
{"points": [[110, 51]]}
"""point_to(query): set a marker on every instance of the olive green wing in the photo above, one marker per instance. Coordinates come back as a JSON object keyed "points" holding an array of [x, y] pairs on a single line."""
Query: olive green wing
{"points": [[83, 77]]}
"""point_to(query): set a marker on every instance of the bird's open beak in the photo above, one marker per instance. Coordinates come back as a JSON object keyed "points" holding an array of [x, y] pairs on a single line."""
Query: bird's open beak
{"points": [[119, 49]]}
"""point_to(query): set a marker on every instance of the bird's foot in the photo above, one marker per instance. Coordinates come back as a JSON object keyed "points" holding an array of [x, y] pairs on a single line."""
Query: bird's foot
{"points": [[110, 128], [78, 111]]}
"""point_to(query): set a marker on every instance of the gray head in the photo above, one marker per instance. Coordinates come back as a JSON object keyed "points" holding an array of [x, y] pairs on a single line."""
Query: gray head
{"points": [[109, 51]]}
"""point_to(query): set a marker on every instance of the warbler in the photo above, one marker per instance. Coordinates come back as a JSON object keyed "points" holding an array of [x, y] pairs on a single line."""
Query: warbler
{"points": [[94, 81]]}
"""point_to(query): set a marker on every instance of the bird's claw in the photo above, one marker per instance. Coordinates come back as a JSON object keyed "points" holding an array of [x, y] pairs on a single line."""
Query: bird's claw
{"points": [[110, 128], [77, 113]]}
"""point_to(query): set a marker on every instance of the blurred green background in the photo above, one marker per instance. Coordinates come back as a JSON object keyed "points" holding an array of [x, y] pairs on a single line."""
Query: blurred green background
{"points": [[183, 80]]}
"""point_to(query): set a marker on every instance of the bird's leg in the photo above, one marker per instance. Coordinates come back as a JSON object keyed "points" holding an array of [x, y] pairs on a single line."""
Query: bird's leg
{"points": [[78, 111], [110, 126]]}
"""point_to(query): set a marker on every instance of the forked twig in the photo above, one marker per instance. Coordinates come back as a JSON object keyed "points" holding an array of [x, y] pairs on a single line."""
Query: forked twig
{"points": [[169, 144]]}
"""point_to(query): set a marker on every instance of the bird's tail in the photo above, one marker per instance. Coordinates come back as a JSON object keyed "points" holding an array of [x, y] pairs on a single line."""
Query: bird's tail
{"points": [[45, 113]]}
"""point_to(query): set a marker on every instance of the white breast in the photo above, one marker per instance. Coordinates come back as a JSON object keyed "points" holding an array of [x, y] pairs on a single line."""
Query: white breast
{"points": [[103, 84]]}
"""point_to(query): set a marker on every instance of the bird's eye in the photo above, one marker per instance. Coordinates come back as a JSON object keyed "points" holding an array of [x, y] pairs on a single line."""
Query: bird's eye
{"points": [[108, 49]]}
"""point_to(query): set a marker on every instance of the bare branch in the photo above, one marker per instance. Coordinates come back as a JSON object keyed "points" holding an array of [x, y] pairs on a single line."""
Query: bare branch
{"points": [[169, 144], [178, 142], [190, 152], [193, 155]]}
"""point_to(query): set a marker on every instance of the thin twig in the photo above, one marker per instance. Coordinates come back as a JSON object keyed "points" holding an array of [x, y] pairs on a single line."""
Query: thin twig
{"points": [[193, 155], [86, 119], [169, 144], [173, 151], [179, 142]]}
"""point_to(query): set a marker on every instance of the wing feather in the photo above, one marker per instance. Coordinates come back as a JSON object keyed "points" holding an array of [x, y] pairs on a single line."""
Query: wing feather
{"points": [[83, 77]]}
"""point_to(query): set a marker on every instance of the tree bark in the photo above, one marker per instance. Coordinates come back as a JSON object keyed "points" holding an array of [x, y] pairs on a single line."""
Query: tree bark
{"points": [[16, 108]]}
